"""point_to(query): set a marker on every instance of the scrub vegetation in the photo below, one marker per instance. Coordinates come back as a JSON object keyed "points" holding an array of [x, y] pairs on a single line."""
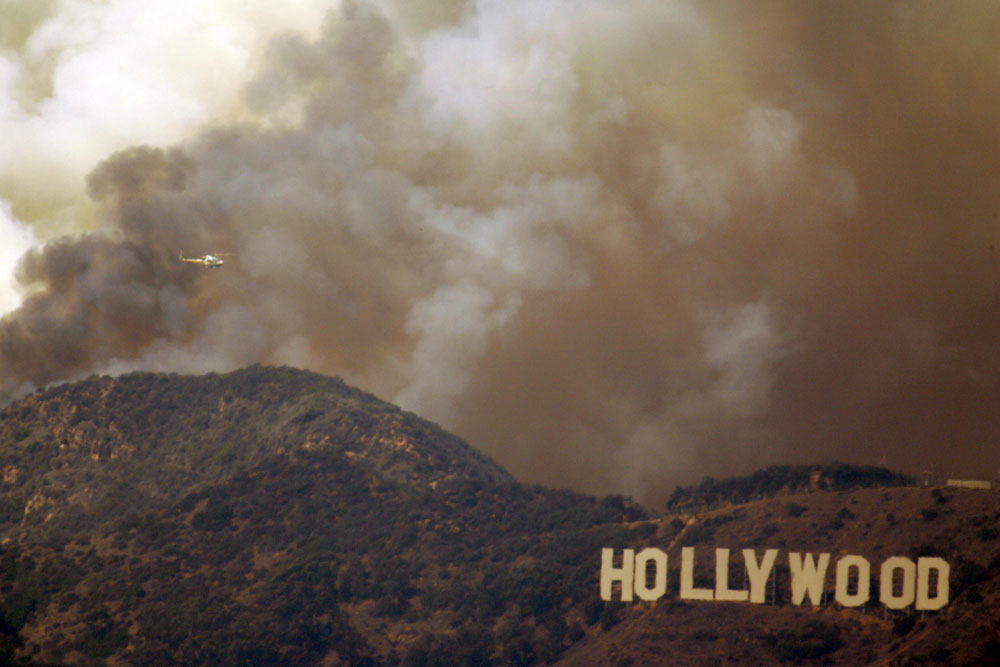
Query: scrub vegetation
{"points": [[275, 516]]}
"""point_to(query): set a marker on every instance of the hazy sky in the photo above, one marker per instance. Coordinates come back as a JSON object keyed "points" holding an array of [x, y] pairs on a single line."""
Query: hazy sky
{"points": [[616, 245]]}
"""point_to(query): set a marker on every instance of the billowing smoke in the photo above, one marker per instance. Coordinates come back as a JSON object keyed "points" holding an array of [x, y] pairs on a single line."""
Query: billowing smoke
{"points": [[618, 246], [16, 239]]}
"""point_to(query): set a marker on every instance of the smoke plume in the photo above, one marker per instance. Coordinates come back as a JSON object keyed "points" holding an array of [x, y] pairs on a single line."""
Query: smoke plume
{"points": [[618, 246]]}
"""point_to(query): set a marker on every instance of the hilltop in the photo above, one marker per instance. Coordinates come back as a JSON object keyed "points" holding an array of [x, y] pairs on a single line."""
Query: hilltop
{"points": [[783, 480], [276, 516]]}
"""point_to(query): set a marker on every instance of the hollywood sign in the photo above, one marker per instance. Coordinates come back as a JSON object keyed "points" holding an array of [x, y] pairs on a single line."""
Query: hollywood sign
{"points": [[902, 582]]}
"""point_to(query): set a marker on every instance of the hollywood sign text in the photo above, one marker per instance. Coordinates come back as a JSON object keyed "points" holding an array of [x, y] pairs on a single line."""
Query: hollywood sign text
{"points": [[902, 582]]}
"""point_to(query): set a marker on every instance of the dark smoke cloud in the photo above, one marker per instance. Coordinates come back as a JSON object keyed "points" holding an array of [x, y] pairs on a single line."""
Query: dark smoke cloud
{"points": [[617, 246]]}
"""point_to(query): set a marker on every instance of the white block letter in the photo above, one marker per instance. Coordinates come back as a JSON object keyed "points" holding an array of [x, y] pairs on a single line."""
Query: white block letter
{"points": [[722, 590], [759, 575], [860, 596], [886, 593], [660, 578], [688, 591], [807, 576], [924, 567], [624, 574]]}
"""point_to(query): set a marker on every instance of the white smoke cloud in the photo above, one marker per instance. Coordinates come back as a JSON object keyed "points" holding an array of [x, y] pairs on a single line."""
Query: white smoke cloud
{"points": [[693, 195], [16, 239], [96, 77], [773, 137], [452, 328], [509, 61], [726, 390], [740, 345]]}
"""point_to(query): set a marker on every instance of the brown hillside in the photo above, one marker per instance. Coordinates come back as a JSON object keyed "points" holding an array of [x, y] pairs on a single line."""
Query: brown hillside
{"points": [[272, 516], [277, 517], [960, 526]]}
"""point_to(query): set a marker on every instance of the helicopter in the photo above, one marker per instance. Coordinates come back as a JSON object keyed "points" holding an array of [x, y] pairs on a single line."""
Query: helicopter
{"points": [[209, 261]]}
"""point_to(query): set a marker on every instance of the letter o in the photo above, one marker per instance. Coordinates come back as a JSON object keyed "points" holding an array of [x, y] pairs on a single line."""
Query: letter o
{"points": [[660, 579], [909, 592], [844, 566]]}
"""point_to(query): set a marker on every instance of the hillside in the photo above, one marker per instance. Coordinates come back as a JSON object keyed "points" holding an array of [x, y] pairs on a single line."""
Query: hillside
{"points": [[275, 516], [959, 525]]}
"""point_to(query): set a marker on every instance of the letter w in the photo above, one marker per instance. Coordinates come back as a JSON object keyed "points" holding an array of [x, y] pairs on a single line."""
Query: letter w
{"points": [[807, 576]]}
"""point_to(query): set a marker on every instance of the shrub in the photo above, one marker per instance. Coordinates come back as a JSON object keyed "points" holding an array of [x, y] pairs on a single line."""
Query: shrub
{"points": [[793, 510], [610, 616], [813, 640], [902, 624], [592, 611], [705, 635], [102, 638], [704, 531], [214, 517]]}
